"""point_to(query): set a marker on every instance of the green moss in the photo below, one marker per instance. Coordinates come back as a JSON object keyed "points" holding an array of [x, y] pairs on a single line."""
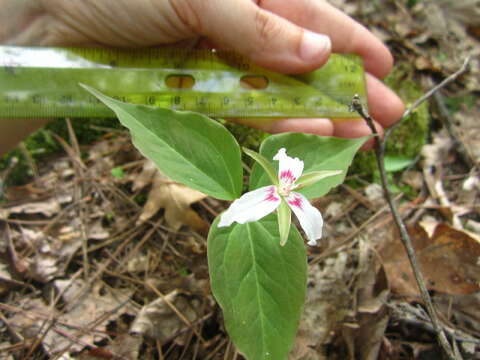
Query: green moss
{"points": [[408, 138], [247, 137]]}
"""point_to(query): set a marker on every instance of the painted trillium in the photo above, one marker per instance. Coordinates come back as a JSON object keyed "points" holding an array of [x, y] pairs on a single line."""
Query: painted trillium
{"points": [[256, 204]]}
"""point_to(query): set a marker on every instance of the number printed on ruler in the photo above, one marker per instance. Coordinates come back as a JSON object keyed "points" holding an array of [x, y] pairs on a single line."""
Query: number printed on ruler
{"points": [[44, 82]]}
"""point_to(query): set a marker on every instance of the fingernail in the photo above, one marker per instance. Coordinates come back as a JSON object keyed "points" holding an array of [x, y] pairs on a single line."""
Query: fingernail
{"points": [[314, 45]]}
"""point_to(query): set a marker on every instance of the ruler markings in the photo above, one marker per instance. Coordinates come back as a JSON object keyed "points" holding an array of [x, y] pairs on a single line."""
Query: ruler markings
{"points": [[43, 82]]}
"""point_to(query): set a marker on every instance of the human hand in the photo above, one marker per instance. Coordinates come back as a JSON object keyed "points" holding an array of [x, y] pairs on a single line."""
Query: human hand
{"points": [[277, 34]]}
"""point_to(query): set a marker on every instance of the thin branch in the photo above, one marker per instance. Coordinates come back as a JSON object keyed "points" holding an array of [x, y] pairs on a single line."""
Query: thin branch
{"points": [[426, 96], [404, 236], [422, 322], [433, 90]]}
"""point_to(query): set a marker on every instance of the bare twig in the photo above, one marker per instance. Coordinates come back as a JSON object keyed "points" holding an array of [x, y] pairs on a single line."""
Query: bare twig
{"points": [[425, 97], [79, 192], [433, 90], [404, 236], [425, 325], [177, 312], [346, 240]]}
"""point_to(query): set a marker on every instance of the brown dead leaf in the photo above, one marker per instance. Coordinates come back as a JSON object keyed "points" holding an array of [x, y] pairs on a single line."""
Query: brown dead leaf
{"points": [[327, 303], [157, 320], [448, 260], [347, 296], [48, 208], [97, 231], [462, 310], [364, 335], [5, 278], [423, 63], [41, 257], [145, 177], [41, 262], [434, 157], [468, 128], [474, 30], [374, 193], [123, 347], [473, 226], [466, 12], [448, 22], [303, 349], [82, 321], [176, 199], [101, 155]]}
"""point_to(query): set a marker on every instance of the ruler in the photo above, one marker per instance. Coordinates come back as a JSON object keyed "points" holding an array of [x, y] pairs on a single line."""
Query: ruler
{"points": [[38, 82]]}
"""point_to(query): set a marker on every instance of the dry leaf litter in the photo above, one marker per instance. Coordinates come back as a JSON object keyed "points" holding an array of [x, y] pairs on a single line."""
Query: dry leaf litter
{"points": [[97, 266]]}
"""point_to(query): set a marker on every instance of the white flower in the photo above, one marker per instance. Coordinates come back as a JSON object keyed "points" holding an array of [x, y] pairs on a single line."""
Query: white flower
{"points": [[258, 203]]}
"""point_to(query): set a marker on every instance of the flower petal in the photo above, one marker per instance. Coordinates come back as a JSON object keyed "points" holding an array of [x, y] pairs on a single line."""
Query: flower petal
{"points": [[252, 206], [289, 169], [309, 217]]}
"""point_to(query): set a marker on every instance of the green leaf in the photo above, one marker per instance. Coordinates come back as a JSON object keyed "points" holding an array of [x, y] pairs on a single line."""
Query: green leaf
{"points": [[259, 284], [318, 154], [264, 163], [117, 172], [188, 147], [314, 177], [396, 163]]}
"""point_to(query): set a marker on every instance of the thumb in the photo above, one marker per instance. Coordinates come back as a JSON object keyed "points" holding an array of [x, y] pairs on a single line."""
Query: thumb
{"points": [[267, 39]]}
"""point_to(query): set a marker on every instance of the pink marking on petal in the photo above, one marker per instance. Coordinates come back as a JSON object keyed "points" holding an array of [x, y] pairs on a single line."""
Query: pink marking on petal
{"points": [[287, 176], [296, 201], [271, 195]]}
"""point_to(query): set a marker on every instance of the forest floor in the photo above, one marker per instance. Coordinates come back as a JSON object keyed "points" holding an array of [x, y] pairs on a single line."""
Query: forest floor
{"points": [[104, 258]]}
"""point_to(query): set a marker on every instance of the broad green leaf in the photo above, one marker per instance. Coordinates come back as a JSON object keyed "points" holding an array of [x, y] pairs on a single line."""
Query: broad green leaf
{"points": [[396, 163], [188, 147], [259, 285], [318, 154]]}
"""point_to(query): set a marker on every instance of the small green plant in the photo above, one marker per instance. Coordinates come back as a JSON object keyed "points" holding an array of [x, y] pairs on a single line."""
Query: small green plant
{"points": [[117, 172], [257, 261]]}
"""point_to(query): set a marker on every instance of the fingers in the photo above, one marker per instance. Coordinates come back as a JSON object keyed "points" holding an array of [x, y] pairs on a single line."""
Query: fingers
{"points": [[355, 128], [12, 131], [346, 34], [345, 128], [322, 127], [266, 38], [384, 106]]}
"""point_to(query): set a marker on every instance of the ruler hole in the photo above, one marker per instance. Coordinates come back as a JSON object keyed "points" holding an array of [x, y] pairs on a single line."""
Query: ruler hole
{"points": [[180, 81], [254, 82]]}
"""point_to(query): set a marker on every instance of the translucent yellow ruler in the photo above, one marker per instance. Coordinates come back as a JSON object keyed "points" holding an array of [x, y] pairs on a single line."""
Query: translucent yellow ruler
{"points": [[44, 82]]}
